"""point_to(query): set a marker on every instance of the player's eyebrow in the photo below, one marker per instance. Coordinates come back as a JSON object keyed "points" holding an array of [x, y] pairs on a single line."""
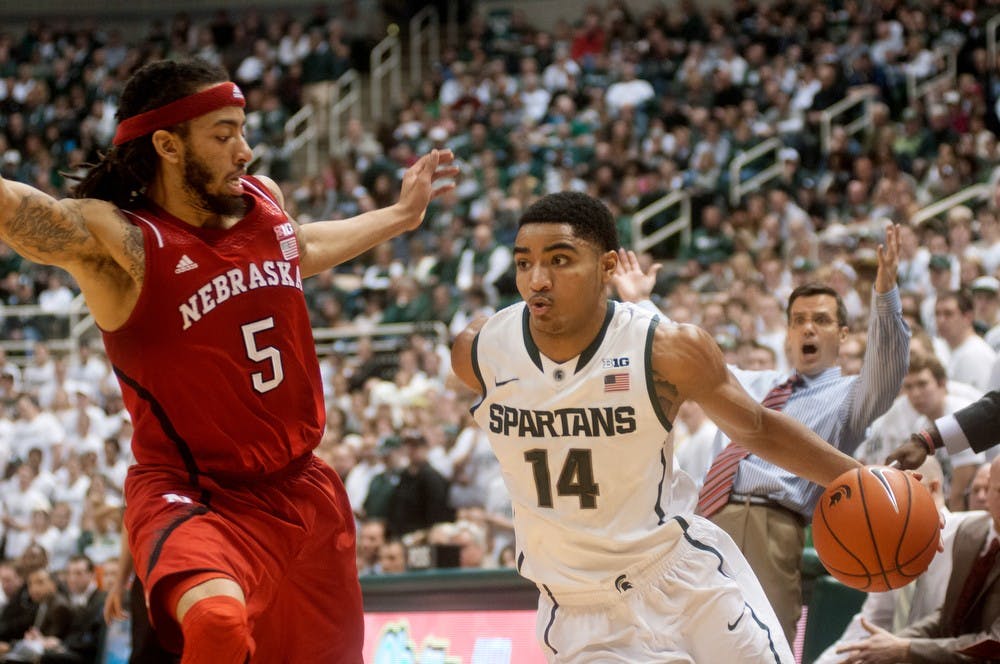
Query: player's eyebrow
{"points": [[555, 246]]}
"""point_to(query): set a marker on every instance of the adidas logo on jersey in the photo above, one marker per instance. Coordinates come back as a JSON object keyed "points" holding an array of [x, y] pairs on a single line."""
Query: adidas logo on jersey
{"points": [[185, 264]]}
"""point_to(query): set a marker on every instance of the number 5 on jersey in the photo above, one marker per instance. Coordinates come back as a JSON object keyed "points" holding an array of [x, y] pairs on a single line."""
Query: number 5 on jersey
{"points": [[575, 479], [263, 354]]}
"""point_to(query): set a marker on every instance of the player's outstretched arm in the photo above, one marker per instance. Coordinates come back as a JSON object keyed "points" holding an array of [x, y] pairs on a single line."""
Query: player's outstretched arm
{"points": [[50, 231], [461, 354], [89, 238], [324, 244], [688, 362]]}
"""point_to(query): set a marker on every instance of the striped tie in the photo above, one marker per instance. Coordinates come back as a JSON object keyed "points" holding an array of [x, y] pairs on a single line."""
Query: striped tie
{"points": [[720, 477]]}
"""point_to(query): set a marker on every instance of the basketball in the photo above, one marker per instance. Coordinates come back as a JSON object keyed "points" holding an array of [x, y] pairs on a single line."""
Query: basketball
{"points": [[876, 528]]}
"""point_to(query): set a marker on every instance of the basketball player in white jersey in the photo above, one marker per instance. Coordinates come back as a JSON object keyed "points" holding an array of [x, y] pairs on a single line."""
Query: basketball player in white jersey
{"points": [[578, 396]]}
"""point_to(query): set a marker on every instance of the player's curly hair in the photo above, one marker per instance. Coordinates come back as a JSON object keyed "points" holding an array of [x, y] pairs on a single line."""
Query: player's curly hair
{"points": [[123, 172], [590, 218]]}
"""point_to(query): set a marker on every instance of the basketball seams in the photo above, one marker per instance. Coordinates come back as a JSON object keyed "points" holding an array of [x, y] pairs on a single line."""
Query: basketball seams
{"points": [[829, 531], [862, 495], [838, 533]]}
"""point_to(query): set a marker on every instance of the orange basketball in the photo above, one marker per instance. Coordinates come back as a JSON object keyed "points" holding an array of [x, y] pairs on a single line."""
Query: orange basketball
{"points": [[876, 528]]}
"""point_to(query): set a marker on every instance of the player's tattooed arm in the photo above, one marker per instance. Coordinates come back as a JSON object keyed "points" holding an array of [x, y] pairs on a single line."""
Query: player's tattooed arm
{"points": [[133, 252], [667, 394], [50, 231], [42, 231]]}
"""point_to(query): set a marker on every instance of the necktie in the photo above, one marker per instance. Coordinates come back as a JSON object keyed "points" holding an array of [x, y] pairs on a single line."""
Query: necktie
{"points": [[973, 584], [721, 475]]}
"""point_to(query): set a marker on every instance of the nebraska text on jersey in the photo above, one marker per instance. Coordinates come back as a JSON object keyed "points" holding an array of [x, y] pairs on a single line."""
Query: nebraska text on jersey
{"points": [[236, 282]]}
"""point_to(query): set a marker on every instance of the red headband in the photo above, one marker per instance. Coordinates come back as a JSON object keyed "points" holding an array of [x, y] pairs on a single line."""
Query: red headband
{"points": [[182, 110]]}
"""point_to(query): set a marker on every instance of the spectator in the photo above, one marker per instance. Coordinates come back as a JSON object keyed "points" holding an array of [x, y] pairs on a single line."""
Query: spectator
{"points": [[392, 557], [420, 499], [968, 358], [371, 538], [83, 638], [19, 609], [53, 618], [483, 263], [986, 309]]}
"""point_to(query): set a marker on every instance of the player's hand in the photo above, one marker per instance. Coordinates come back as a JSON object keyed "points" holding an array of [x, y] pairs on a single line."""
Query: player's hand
{"points": [[629, 281], [114, 604], [418, 188], [908, 456], [882, 646]]}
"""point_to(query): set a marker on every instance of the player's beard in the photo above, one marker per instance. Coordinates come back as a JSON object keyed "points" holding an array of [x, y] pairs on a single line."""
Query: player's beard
{"points": [[197, 178]]}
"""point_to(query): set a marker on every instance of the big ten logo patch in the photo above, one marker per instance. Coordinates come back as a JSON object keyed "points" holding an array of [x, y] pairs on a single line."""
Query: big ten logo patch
{"points": [[614, 362]]}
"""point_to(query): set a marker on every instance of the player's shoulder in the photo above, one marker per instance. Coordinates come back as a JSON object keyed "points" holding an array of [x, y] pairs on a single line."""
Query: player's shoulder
{"points": [[512, 314], [267, 187], [98, 215]]}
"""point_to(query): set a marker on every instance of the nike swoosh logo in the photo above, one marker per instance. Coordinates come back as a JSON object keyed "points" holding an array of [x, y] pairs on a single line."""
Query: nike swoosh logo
{"points": [[732, 626], [498, 383]]}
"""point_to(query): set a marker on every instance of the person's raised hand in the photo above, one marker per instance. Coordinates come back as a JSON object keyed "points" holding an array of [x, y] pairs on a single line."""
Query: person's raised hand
{"points": [[888, 260], [629, 281]]}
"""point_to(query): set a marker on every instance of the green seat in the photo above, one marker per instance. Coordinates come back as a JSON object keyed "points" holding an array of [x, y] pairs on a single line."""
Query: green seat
{"points": [[831, 607]]}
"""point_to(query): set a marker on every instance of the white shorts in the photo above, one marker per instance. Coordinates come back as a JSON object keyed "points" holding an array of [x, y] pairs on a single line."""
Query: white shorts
{"points": [[699, 602]]}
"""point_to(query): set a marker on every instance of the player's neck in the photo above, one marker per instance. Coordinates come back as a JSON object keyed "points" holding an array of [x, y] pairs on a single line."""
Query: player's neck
{"points": [[573, 339], [176, 202]]}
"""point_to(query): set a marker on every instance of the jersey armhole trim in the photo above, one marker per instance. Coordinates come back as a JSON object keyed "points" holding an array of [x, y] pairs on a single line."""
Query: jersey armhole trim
{"points": [[650, 383], [259, 187], [479, 374]]}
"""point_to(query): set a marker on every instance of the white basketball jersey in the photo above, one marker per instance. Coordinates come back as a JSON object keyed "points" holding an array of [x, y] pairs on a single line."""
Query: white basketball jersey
{"points": [[584, 445]]}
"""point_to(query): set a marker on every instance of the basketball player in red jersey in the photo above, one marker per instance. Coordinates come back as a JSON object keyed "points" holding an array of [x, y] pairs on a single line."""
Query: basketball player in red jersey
{"points": [[243, 540]]}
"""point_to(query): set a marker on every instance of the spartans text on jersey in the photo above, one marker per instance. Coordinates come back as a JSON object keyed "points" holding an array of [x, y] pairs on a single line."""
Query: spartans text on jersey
{"points": [[236, 282], [579, 422]]}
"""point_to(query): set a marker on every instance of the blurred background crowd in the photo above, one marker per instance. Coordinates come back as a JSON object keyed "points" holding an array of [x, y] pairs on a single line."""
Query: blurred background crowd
{"points": [[625, 105]]}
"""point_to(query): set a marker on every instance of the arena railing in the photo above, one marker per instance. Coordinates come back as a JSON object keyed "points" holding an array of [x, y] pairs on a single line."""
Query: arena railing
{"points": [[425, 35], [387, 338], [386, 63], [65, 328], [682, 224], [737, 185], [977, 191], [300, 132], [937, 82], [862, 96], [346, 103], [992, 26]]}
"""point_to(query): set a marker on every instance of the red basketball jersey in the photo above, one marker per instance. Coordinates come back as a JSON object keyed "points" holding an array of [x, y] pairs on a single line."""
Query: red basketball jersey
{"points": [[217, 363]]}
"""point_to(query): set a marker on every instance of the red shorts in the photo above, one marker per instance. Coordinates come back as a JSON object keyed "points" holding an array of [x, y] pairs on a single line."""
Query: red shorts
{"points": [[288, 543]]}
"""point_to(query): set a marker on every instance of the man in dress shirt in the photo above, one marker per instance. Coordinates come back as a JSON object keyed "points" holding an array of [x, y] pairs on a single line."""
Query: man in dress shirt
{"points": [[960, 622], [769, 507]]}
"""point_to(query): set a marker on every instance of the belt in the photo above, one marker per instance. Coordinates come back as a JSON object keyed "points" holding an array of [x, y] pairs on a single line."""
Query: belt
{"points": [[764, 501]]}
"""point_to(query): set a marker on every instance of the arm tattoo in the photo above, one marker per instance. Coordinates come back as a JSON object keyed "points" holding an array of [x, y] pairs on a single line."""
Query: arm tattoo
{"points": [[133, 249], [666, 393], [37, 229]]}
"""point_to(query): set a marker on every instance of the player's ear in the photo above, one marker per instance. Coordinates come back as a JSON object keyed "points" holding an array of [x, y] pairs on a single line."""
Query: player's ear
{"points": [[167, 145], [608, 262]]}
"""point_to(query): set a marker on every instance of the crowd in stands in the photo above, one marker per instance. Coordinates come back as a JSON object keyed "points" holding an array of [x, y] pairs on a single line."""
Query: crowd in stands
{"points": [[624, 105]]}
